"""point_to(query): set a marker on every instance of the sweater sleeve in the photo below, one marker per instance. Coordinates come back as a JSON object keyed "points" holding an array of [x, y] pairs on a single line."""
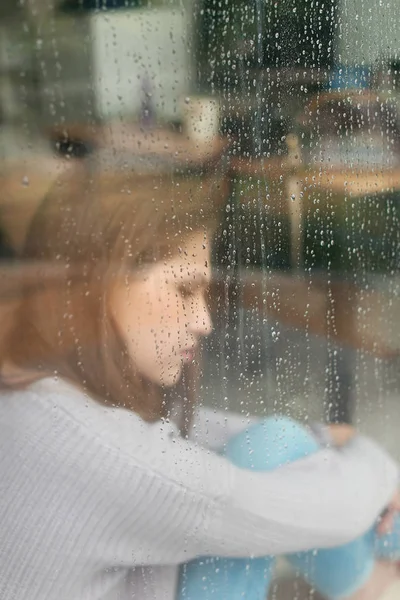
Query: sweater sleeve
{"points": [[176, 501], [149, 497]]}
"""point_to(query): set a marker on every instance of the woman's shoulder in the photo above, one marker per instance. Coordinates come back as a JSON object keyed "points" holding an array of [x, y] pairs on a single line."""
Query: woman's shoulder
{"points": [[52, 405], [59, 416]]}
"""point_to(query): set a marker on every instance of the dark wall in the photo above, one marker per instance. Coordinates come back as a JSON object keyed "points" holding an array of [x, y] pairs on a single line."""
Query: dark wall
{"points": [[294, 33]]}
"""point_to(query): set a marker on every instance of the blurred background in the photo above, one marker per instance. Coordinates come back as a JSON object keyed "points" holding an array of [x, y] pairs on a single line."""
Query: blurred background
{"points": [[300, 99]]}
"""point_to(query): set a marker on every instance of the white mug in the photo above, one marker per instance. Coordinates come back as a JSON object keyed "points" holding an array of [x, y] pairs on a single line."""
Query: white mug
{"points": [[201, 119]]}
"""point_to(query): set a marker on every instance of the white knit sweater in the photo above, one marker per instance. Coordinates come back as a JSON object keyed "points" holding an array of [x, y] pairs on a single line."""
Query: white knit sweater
{"points": [[95, 504]]}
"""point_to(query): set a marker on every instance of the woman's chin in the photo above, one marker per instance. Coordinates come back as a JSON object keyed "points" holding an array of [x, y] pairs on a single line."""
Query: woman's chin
{"points": [[171, 376]]}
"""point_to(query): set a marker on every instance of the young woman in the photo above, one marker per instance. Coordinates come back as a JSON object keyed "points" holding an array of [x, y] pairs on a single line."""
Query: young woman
{"points": [[101, 496]]}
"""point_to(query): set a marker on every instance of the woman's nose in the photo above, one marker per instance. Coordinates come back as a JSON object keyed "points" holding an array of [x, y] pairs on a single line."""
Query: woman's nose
{"points": [[201, 319]]}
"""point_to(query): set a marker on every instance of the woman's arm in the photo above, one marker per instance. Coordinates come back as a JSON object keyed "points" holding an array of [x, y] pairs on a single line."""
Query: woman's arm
{"points": [[159, 499], [199, 504], [187, 501]]}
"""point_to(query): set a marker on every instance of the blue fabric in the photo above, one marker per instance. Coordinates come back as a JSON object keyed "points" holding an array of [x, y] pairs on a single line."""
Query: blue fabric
{"points": [[350, 77], [336, 572]]}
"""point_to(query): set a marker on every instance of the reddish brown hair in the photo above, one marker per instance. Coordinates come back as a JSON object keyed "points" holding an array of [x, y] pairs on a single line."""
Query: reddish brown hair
{"points": [[95, 225]]}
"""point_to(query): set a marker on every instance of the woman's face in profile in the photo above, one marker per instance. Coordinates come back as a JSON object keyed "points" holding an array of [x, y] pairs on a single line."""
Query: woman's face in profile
{"points": [[162, 311]]}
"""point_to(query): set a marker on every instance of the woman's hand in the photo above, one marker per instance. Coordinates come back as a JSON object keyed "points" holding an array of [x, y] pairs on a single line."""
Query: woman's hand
{"points": [[385, 524], [341, 434]]}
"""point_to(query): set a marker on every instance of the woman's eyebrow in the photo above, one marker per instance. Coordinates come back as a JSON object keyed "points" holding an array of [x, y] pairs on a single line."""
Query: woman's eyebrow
{"points": [[198, 278]]}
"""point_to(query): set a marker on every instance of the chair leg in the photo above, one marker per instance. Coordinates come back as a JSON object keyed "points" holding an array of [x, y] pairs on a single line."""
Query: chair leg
{"points": [[340, 386]]}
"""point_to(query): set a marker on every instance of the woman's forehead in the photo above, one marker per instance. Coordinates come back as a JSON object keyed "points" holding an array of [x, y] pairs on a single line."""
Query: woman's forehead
{"points": [[190, 263], [195, 268]]}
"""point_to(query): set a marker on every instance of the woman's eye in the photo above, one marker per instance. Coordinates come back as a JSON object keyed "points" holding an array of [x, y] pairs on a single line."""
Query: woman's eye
{"points": [[186, 291]]}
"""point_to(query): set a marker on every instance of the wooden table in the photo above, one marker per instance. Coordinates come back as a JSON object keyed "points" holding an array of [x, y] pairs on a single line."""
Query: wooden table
{"points": [[23, 186], [342, 183], [337, 310], [299, 179], [133, 140]]}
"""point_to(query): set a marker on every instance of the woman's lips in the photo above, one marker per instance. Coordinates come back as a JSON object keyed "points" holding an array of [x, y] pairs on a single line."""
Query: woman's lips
{"points": [[188, 355]]}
